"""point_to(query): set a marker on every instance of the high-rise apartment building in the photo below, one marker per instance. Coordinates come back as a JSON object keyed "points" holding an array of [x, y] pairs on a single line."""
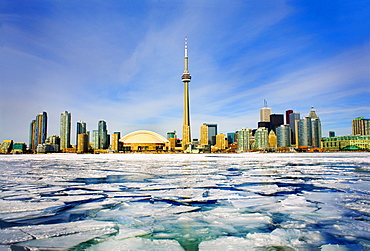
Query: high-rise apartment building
{"points": [[361, 126], [203, 135], [186, 78], [243, 138], [316, 128], [261, 139], [95, 139], [283, 134], [305, 132], [221, 141], [38, 130], [32, 135], [65, 130], [83, 143], [115, 142], [80, 128], [103, 135]]}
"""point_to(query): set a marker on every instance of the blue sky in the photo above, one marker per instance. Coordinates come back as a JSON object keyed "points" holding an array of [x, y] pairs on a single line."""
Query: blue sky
{"points": [[121, 61]]}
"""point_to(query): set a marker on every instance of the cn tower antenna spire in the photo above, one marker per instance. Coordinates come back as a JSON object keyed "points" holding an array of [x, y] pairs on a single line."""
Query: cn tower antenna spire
{"points": [[186, 47]]}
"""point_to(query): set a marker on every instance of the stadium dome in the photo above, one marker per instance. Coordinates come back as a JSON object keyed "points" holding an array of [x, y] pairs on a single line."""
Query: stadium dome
{"points": [[144, 141]]}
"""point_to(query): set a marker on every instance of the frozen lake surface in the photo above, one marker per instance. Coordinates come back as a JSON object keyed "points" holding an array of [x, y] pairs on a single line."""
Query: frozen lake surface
{"points": [[252, 201]]}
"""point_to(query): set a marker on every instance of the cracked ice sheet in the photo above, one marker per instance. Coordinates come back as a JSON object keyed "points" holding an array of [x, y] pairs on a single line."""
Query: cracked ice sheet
{"points": [[281, 238], [52, 230], [137, 244]]}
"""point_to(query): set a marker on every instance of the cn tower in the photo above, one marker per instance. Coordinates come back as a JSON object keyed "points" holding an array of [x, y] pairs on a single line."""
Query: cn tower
{"points": [[186, 79]]}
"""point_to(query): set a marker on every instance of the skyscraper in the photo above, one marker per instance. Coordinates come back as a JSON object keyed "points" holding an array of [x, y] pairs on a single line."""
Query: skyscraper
{"points": [[276, 120], [265, 113], [272, 140], [283, 136], [38, 130], [186, 134], [81, 128], [243, 139], [203, 135], [32, 135], [287, 117], [103, 135], [316, 128], [305, 132], [95, 140], [293, 118], [65, 130], [261, 138], [115, 142]]}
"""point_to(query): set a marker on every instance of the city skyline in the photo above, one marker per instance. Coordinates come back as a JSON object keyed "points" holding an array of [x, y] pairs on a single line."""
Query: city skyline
{"points": [[121, 61]]}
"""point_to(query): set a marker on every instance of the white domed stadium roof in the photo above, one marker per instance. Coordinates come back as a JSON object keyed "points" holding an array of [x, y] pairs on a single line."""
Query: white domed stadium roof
{"points": [[143, 136]]}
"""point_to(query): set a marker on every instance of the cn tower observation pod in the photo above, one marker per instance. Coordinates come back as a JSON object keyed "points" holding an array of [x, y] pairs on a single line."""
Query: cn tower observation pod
{"points": [[144, 140]]}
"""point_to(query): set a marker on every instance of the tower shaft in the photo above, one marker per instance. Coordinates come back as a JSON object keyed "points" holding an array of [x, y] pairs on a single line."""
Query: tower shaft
{"points": [[186, 134]]}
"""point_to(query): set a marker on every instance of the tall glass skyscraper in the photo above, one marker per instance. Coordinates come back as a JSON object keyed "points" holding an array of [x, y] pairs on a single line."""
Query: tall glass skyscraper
{"points": [[95, 139], [103, 135], [305, 132], [81, 128], [38, 130], [65, 130], [316, 128], [283, 136], [293, 117]]}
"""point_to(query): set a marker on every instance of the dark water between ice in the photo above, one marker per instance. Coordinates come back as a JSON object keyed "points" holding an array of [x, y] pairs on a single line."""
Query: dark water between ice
{"points": [[185, 202]]}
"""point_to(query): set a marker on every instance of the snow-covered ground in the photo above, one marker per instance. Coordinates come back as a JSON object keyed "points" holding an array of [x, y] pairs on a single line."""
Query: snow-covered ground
{"points": [[252, 201]]}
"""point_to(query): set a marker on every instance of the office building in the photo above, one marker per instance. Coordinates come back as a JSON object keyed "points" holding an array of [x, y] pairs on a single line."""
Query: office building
{"points": [[293, 119], [243, 139], [65, 130], [208, 134], [287, 116], [265, 113], [276, 120], [231, 138], [361, 126], [80, 128], [186, 133], [272, 140], [283, 134]]}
